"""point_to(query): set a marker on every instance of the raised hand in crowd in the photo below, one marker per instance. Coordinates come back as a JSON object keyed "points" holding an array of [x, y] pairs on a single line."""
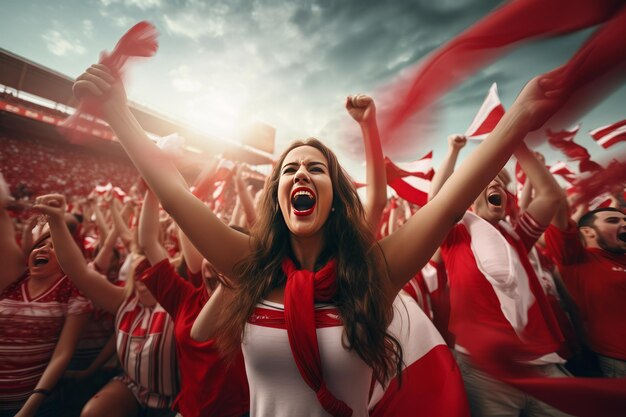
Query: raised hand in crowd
{"points": [[456, 142], [363, 110]]}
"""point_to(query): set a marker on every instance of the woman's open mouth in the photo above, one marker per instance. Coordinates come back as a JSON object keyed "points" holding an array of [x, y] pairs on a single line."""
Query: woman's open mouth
{"points": [[302, 201], [495, 199], [40, 260]]}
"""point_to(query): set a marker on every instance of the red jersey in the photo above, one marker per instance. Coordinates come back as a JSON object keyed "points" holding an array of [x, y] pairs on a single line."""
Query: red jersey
{"points": [[473, 298], [208, 387], [596, 279]]}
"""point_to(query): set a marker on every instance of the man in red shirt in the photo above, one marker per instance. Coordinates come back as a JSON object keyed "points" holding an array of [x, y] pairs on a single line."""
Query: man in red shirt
{"points": [[595, 275], [494, 287]]}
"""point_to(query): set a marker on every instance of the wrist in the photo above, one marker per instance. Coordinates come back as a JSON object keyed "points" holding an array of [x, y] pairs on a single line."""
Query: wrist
{"points": [[41, 392], [116, 112]]}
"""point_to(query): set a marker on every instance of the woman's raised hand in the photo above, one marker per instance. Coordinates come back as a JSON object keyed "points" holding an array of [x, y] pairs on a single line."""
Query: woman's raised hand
{"points": [[98, 83], [540, 99], [52, 205], [361, 108]]}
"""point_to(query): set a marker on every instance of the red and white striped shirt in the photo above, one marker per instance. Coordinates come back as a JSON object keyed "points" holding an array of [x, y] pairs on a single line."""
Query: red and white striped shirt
{"points": [[29, 331], [146, 350]]}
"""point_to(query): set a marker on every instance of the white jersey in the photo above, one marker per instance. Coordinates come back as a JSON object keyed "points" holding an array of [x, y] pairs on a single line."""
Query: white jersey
{"points": [[276, 386]]}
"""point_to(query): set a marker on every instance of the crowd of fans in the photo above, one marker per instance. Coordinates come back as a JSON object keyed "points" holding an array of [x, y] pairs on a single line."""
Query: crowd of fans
{"points": [[35, 166], [112, 305]]}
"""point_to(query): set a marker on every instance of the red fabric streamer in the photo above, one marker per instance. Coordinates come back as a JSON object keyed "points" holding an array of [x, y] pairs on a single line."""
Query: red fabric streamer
{"points": [[505, 27], [488, 116], [564, 141], [139, 41], [394, 171], [302, 289], [410, 192], [605, 180], [501, 355], [607, 136], [412, 184]]}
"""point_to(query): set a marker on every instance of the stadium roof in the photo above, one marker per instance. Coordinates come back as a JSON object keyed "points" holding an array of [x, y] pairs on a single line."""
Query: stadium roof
{"points": [[27, 76]]}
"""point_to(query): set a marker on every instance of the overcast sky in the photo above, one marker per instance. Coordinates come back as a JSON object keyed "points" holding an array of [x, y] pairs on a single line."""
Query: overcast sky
{"points": [[291, 64]]}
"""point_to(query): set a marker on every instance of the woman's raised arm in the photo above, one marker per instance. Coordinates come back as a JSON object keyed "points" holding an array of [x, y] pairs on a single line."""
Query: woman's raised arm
{"points": [[363, 111], [219, 244], [91, 283], [410, 247]]}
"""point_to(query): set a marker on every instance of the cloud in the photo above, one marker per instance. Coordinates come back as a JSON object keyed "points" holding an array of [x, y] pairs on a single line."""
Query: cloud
{"points": [[144, 4], [88, 28], [60, 45], [192, 26], [141, 4], [183, 81]]}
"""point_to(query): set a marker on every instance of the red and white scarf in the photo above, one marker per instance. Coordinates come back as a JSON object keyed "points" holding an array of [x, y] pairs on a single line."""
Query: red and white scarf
{"points": [[303, 288]]}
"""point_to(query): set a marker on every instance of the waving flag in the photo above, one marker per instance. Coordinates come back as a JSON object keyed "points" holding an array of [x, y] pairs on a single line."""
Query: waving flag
{"points": [[561, 169], [421, 168], [487, 117], [607, 136], [496, 34], [564, 141], [139, 41], [413, 183], [102, 189], [591, 186], [431, 381]]}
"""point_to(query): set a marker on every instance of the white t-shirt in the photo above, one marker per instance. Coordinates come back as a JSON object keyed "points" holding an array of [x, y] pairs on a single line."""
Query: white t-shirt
{"points": [[276, 386]]}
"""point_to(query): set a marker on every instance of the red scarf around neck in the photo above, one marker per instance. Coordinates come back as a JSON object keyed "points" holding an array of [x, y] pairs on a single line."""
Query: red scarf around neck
{"points": [[303, 288]]}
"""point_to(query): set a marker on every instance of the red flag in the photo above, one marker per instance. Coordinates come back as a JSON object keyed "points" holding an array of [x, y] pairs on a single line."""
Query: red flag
{"points": [[591, 186], [413, 183], [119, 193], [488, 116], [561, 169], [421, 168], [564, 141], [508, 25], [225, 170], [139, 41], [607, 136], [431, 380], [102, 189], [412, 189]]}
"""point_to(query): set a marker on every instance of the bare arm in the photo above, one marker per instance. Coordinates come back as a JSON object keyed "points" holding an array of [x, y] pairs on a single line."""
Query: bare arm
{"points": [[205, 325], [193, 258], [103, 357], [393, 216], [27, 234], [149, 227], [363, 110], [219, 244], [63, 352], [410, 247], [89, 282], [103, 228], [245, 198], [103, 258], [456, 142], [120, 225], [12, 261], [527, 196], [548, 193]]}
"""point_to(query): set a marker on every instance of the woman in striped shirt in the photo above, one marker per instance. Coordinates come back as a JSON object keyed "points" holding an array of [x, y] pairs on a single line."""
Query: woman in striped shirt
{"points": [[144, 331], [41, 318]]}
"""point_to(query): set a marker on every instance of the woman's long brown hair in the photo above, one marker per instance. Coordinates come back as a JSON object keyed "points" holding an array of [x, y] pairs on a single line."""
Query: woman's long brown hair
{"points": [[364, 295]]}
